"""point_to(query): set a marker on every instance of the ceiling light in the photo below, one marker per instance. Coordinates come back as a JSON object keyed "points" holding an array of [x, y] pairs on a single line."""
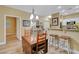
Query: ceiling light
{"points": [[59, 7], [33, 15], [49, 16]]}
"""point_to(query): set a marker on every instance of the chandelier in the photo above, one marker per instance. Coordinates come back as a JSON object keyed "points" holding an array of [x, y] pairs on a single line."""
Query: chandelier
{"points": [[33, 15], [34, 18]]}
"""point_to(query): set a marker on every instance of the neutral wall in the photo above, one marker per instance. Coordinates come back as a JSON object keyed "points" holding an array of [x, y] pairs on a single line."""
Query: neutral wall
{"points": [[10, 11]]}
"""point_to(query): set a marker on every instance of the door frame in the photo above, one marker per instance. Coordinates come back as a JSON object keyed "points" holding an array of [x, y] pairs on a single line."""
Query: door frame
{"points": [[18, 20]]}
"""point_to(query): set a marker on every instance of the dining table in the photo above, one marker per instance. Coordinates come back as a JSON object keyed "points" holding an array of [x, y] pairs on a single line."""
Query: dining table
{"points": [[29, 44]]}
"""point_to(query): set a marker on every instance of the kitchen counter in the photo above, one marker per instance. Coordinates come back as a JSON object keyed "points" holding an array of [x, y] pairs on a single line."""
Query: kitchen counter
{"points": [[71, 30]]}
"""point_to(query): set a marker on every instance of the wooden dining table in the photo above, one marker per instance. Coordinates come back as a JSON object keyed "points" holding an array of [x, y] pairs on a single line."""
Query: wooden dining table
{"points": [[29, 45]]}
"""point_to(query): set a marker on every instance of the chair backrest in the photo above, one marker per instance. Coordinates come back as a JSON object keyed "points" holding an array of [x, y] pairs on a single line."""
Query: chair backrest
{"points": [[41, 42], [27, 34], [41, 36]]}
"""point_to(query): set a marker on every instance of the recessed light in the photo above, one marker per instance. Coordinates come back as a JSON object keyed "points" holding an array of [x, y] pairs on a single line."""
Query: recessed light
{"points": [[59, 7]]}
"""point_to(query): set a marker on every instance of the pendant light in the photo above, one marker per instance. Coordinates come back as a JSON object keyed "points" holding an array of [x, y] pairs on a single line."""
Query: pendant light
{"points": [[33, 15]]}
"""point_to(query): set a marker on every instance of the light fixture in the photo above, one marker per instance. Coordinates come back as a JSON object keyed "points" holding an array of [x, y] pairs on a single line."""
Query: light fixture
{"points": [[33, 16], [49, 16], [37, 17], [59, 7]]}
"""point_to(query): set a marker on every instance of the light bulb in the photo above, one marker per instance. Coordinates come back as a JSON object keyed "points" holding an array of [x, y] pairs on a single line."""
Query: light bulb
{"points": [[37, 17], [31, 16], [59, 7]]}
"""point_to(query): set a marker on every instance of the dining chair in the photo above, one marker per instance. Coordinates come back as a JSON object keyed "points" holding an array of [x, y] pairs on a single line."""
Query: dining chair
{"points": [[41, 42]]}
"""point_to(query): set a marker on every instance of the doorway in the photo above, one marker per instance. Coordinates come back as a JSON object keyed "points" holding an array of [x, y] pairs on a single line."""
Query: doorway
{"points": [[16, 31], [11, 28]]}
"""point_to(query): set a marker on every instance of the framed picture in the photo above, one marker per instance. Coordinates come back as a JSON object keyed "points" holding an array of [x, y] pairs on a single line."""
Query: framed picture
{"points": [[55, 21], [26, 23]]}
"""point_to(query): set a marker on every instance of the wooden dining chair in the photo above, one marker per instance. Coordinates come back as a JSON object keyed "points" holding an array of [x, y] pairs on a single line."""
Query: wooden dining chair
{"points": [[27, 34], [41, 42]]}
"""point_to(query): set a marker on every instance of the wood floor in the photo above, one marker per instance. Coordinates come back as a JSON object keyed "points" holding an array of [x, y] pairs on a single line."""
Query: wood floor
{"points": [[15, 47], [12, 47]]}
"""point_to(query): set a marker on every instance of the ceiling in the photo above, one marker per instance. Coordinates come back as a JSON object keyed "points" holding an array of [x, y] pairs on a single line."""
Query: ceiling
{"points": [[45, 10]]}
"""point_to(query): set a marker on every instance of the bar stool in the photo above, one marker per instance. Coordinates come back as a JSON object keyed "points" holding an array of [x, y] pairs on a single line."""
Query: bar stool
{"points": [[65, 44], [55, 40], [52, 40]]}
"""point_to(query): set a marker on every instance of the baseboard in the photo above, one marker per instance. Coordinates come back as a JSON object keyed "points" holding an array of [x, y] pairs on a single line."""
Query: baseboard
{"points": [[1, 43]]}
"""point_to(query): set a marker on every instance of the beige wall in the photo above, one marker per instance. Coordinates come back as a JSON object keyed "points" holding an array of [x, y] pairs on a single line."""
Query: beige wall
{"points": [[10, 11]]}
